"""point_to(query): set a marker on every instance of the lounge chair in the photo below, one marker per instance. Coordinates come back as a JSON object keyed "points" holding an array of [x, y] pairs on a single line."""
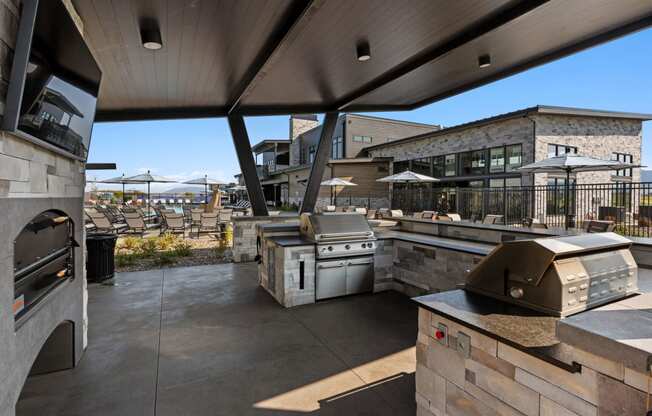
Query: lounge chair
{"points": [[492, 219], [371, 214], [175, 223], [394, 213], [137, 224], [102, 223], [454, 217], [595, 226], [208, 223]]}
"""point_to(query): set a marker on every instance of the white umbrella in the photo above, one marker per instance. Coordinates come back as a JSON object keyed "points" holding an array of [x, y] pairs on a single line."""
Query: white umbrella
{"points": [[205, 180], [237, 188], [120, 180], [408, 177], [148, 178], [572, 163], [334, 182]]}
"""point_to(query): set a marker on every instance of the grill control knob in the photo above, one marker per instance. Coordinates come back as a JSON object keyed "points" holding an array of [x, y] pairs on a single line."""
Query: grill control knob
{"points": [[516, 292], [347, 247], [364, 245], [330, 248]]}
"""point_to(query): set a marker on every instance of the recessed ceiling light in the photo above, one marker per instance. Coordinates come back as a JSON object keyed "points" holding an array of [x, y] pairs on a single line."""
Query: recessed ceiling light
{"points": [[150, 35], [484, 61], [363, 51]]}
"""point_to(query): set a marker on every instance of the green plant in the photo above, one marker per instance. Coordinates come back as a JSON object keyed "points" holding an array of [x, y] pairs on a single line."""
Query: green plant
{"points": [[166, 258], [130, 244], [167, 241], [123, 260], [182, 249], [148, 247], [219, 250]]}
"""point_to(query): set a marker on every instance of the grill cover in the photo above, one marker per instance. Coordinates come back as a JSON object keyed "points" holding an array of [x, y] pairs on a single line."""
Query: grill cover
{"points": [[559, 276]]}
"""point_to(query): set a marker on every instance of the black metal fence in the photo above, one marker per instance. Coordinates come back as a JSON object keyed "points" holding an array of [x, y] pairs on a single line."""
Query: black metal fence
{"points": [[628, 205]]}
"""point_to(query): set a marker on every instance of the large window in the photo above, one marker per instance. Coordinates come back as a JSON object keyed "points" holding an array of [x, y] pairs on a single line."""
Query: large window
{"points": [[473, 163], [438, 166], [514, 157], [560, 150], [422, 166], [497, 160], [337, 151], [362, 139], [401, 166], [624, 158], [450, 163]]}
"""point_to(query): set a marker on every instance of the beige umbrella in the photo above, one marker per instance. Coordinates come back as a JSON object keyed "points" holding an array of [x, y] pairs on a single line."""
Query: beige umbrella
{"points": [[335, 182]]}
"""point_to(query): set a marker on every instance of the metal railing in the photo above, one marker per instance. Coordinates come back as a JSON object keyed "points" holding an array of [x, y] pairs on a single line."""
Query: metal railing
{"points": [[627, 204]]}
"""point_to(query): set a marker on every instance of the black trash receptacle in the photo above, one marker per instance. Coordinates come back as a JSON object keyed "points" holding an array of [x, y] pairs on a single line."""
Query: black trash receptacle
{"points": [[100, 264]]}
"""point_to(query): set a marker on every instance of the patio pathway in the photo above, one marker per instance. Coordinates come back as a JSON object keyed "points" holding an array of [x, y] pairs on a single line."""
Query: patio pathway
{"points": [[207, 340]]}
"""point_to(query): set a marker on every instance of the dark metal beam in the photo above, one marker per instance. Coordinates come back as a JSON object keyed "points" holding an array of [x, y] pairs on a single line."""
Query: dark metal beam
{"points": [[489, 24], [319, 163], [296, 19], [247, 165], [101, 166]]}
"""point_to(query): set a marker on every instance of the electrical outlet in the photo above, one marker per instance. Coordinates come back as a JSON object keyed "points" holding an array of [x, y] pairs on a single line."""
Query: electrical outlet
{"points": [[464, 344], [441, 334]]}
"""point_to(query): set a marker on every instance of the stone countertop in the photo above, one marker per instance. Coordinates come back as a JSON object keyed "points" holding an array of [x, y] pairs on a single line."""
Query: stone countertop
{"points": [[529, 331], [290, 241], [511, 229], [481, 249], [620, 331], [279, 227]]}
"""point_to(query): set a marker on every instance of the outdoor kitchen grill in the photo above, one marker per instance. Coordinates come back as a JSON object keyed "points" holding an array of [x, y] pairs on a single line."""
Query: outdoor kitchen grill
{"points": [[43, 259], [559, 276], [345, 246]]}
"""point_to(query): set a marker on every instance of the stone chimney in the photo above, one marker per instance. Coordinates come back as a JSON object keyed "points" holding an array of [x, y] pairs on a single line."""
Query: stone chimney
{"points": [[299, 123]]}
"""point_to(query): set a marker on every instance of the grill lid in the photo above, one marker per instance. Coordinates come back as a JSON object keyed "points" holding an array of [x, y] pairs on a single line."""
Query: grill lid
{"points": [[335, 226]]}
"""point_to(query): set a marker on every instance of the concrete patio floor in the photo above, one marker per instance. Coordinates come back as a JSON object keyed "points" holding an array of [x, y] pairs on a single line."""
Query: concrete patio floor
{"points": [[207, 340]]}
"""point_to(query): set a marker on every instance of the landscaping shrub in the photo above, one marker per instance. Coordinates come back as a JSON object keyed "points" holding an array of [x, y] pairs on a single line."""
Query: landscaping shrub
{"points": [[130, 244], [166, 258], [167, 241], [182, 249], [124, 260], [148, 247]]}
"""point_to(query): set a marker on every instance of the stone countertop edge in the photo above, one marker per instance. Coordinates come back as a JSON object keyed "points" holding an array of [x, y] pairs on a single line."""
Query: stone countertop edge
{"points": [[537, 352], [620, 331], [434, 241], [497, 227], [289, 241]]}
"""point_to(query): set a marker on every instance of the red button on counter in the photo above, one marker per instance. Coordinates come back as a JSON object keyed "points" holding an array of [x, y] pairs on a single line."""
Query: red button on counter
{"points": [[439, 334]]}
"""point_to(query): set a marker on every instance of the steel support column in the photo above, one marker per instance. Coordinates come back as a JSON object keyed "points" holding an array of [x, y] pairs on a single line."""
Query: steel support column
{"points": [[319, 163], [247, 164]]}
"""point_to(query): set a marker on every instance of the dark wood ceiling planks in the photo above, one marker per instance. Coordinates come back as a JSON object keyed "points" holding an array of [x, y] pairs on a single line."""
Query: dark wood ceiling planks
{"points": [[297, 56]]}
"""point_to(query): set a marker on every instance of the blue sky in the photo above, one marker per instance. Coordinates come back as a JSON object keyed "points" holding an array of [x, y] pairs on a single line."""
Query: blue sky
{"points": [[613, 76]]}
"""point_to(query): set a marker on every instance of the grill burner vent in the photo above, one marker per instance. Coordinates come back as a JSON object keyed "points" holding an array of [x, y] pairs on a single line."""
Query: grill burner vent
{"points": [[43, 259]]}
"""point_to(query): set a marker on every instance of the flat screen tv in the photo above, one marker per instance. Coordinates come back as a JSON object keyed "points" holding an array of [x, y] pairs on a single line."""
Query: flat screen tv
{"points": [[54, 82]]}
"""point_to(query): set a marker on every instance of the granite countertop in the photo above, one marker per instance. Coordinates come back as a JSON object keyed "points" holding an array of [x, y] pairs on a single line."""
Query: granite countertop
{"points": [[529, 331], [290, 241], [523, 230], [481, 249]]}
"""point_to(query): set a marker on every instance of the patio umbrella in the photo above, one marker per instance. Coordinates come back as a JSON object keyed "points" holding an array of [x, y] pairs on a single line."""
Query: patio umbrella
{"points": [[408, 177], [148, 178], [205, 180], [334, 182], [572, 163], [120, 180]]}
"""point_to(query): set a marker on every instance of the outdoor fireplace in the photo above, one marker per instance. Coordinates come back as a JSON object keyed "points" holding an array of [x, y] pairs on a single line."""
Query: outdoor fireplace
{"points": [[43, 259]]}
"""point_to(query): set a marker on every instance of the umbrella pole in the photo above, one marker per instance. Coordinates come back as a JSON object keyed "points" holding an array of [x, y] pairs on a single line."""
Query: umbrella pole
{"points": [[566, 198], [148, 183], [206, 194], [123, 193]]}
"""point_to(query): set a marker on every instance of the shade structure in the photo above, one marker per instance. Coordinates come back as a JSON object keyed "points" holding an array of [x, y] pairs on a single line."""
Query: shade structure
{"points": [[205, 180], [408, 177], [148, 178], [572, 163], [120, 180], [237, 188], [335, 182]]}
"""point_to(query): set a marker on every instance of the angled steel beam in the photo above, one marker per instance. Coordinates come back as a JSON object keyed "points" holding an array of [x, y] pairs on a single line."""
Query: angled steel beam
{"points": [[247, 165], [319, 163], [291, 22], [483, 27]]}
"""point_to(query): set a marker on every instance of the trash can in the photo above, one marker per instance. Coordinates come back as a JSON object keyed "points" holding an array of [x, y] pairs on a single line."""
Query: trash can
{"points": [[100, 264]]}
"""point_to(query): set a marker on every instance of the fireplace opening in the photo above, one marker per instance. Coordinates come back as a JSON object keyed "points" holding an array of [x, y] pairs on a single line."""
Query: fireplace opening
{"points": [[43, 260]]}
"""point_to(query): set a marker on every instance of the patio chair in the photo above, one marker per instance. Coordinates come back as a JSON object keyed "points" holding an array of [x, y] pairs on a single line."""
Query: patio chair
{"points": [[350, 208], [371, 214], [395, 213], [362, 211], [339, 209], [102, 223], [175, 223], [208, 223], [597, 226], [330, 208], [492, 219], [137, 224], [225, 216], [442, 217], [384, 213], [454, 217]]}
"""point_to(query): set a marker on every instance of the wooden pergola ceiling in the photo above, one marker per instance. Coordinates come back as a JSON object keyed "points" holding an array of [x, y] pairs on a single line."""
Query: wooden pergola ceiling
{"points": [[255, 57]]}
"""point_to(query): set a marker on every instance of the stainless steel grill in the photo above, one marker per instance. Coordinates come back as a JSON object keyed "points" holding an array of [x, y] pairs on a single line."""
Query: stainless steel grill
{"points": [[339, 234], [559, 276], [345, 246]]}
